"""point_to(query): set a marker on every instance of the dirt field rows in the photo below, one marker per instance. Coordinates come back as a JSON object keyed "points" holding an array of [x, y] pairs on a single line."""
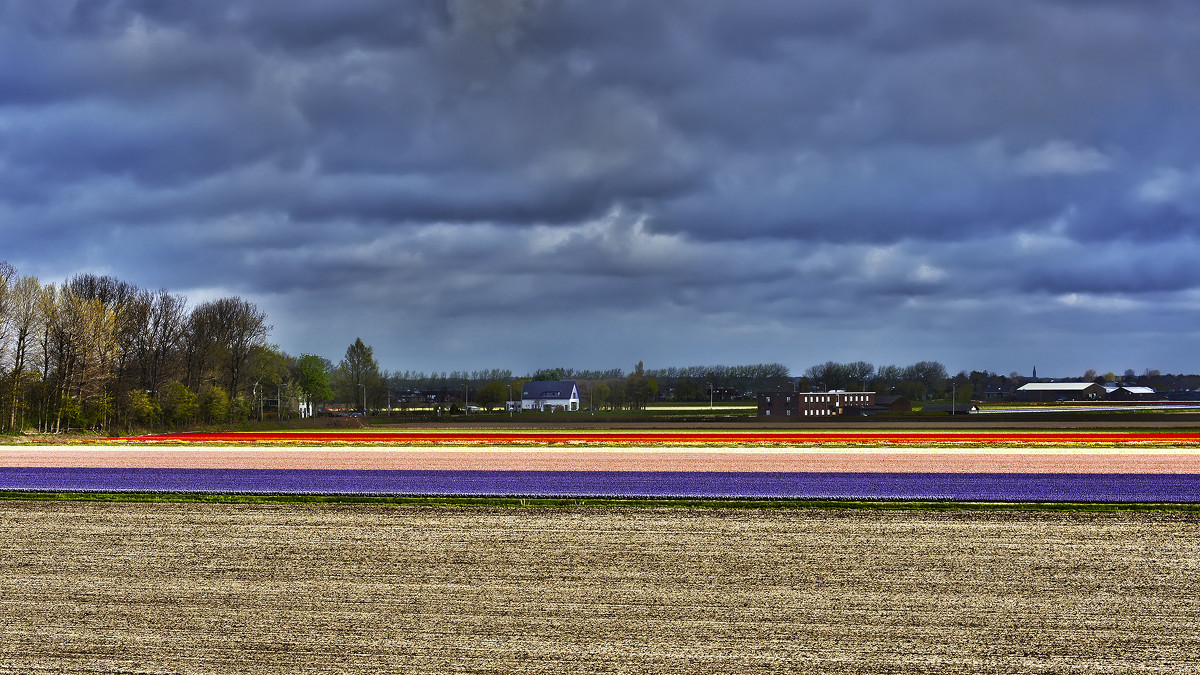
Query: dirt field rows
{"points": [[150, 588]]}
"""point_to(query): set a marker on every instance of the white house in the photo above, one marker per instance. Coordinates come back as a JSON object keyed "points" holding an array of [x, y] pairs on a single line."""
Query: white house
{"points": [[550, 396]]}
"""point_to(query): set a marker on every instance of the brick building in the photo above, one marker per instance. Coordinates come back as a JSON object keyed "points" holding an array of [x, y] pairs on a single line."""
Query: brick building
{"points": [[812, 405]]}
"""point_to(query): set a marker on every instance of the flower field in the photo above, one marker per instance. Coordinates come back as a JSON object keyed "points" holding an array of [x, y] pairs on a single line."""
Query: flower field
{"points": [[972, 466], [692, 438], [1024, 487]]}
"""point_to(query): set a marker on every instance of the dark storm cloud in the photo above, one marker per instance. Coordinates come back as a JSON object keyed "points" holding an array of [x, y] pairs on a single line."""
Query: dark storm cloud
{"points": [[776, 181]]}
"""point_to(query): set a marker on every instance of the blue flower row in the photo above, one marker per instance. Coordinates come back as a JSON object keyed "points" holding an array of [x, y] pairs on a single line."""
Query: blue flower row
{"points": [[1072, 487]]}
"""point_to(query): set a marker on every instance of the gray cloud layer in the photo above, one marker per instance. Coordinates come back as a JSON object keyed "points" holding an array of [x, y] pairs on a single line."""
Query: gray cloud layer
{"points": [[476, 183]]}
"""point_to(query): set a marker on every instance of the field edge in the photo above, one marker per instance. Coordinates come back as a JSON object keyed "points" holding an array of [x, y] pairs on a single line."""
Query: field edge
{"points": [[591, 503]]}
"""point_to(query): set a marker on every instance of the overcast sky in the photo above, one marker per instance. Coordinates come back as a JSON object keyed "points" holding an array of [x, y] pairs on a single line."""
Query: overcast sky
{"points": [[527, 184]]}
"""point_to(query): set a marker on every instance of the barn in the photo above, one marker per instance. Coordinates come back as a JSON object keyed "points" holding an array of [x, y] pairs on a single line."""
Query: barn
{"points": [[1131, 393], [893, 403], [1053, 391]]}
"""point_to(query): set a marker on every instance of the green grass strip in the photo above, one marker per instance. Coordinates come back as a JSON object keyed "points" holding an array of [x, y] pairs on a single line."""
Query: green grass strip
{"points": [[584, 502]]}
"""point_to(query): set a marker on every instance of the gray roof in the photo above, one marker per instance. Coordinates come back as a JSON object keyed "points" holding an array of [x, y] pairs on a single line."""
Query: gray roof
{"points": [[548, 390], [1057, 386]]}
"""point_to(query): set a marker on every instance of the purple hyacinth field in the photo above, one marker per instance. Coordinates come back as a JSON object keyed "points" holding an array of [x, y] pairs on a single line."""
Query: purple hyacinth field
{"points": [[665, 484]]}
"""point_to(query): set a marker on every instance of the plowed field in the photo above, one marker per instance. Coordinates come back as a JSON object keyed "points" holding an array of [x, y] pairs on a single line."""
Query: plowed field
{"points": [[102, 588]]}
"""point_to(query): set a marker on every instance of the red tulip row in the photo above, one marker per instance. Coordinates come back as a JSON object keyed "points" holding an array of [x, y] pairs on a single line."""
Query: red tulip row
{"points": [[689, 438]]}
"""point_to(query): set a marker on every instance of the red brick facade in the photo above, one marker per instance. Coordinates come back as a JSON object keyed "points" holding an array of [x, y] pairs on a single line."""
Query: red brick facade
{"points": [[812, 405]]}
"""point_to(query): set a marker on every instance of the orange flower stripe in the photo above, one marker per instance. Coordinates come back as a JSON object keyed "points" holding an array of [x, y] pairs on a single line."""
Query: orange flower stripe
{"points": [[684, 438]]}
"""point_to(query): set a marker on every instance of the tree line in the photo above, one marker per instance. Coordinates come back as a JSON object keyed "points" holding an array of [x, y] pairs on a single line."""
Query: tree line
{"points": [[608, 389], [100, 353], [929, 379], [914, 382]]}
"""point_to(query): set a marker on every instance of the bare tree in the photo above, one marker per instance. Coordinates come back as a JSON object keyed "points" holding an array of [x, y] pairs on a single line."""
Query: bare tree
{"points": [[160, 318], [199, 345], [930, 374], [886, 378], [859, 372], [238, 326], [83, 338], [829, 375], [25, 312], [7, 272], [120, 300]]}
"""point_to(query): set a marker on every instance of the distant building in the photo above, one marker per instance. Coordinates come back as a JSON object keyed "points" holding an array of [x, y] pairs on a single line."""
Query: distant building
{"points": [[998, 392], [427, 397], [813, 405], [725, 393], [952, 408], [1053, 391], [550, 396], [893, 403], [1131, 393]]}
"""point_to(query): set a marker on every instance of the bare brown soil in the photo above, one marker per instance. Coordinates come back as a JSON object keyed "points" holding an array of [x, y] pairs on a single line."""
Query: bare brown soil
{"points": [[153, 588]]}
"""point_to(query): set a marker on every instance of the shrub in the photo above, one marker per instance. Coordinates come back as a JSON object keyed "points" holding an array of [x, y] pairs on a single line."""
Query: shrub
{"points": [[178, 404]]}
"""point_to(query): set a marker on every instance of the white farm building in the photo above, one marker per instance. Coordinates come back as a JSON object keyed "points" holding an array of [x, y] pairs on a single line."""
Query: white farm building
{"points": [[1052, 391], [550, 396]]}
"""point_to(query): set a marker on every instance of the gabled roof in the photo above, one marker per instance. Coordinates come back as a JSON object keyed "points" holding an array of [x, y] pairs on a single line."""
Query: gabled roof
{"points": [[1057, 386], [564, 389], [1139, 390]]}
